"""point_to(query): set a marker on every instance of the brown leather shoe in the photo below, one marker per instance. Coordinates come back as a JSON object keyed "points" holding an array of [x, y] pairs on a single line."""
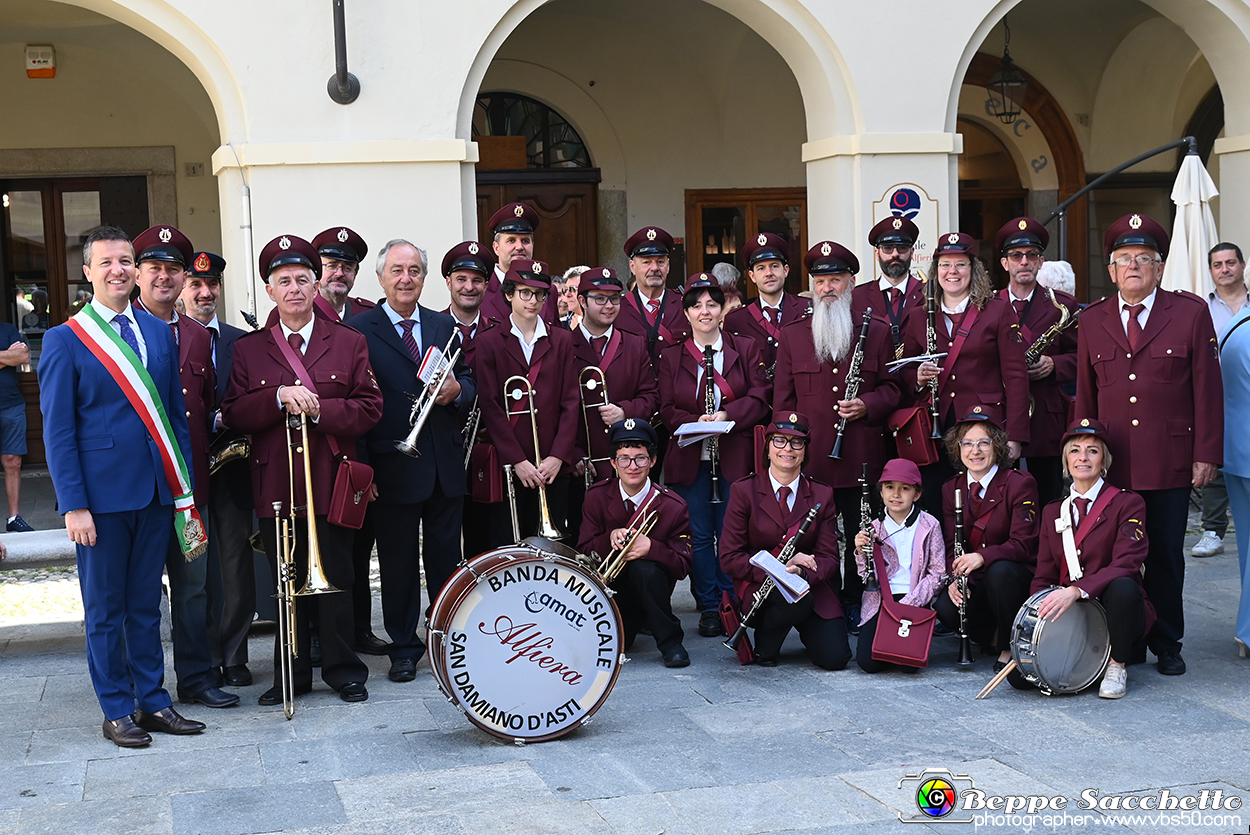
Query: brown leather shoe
{"points": [[168, 721], [125, 733]]}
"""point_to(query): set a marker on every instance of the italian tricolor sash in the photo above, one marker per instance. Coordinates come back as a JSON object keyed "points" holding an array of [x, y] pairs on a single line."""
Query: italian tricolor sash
{"points": [[120, 360]]}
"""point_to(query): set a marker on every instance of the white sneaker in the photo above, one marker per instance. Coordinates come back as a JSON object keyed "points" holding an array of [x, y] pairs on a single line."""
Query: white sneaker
{"points": [[1114, 682], [1210, 545]]}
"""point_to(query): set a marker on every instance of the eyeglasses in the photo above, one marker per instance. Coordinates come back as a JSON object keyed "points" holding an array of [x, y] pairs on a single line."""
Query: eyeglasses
{"points": [[893, 249], [332, 267], [1020, 257], [953, 266], [528, 293], [613, 299], [983, 444], [782, 441], [1126, 261], [638, 461]]}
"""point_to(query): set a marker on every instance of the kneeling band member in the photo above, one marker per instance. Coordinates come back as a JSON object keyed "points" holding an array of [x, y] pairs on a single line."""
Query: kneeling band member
{"points": [[765, 510], [1108, 547], [658, 558], [999, 536]]}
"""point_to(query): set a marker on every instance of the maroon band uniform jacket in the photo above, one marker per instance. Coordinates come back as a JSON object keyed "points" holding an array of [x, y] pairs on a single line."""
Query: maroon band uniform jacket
{"points": [[630, 385], [604, 511], [1007, 516], [742, 322]]}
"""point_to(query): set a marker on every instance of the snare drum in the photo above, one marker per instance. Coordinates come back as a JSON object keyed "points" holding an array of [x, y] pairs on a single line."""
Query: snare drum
{"points": [[526, 642], [1065, 655]]}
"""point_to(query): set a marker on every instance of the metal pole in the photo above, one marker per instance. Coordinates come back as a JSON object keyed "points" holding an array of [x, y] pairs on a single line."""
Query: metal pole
{"points": [[344, 87]]}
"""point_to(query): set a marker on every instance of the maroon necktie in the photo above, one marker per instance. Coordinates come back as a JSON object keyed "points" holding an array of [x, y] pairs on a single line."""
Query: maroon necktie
{"points": [[409, 340], [296, 341], [173, 326], [783, 499], [630, 507], [466, 332], [974, 499], [599, 343], [896, 301], [771, 313], [1134, 326], [1019, 305], [1082, 508], [956, 319]]}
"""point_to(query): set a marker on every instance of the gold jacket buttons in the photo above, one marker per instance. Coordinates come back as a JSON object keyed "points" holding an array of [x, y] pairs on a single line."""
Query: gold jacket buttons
{"points": [[1134, 422], [1133, 399], [184, 391], [1132, 376], [262, 382]]}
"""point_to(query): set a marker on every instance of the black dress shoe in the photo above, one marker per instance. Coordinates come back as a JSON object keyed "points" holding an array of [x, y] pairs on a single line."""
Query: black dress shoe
{"points": [[273, 696], [676, 657], [371, 644], [941, 630], [167, 721], [999, 666], [710, 625], [353, 691], [403, 669], [210, 697], [766, 662], [1171, 664], [125, 733], [238, 675], [314, 650]]}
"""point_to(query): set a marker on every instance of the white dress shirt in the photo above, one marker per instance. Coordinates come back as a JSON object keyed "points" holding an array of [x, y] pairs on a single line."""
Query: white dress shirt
{"points": [[527, 348], [777, 485], [1142, 317], [902, 538]]}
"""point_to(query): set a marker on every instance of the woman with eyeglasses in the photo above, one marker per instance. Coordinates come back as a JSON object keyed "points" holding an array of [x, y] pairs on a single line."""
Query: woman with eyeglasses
{"points": [[999, 535], [768, 509], [525, 346], [738, 391], [984, 362]]}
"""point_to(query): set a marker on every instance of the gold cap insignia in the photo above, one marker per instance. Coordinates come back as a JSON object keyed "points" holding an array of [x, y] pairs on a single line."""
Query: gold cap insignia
{"points": [[650, 234], [898, 223], [202, 263], [1085, 422], [952, 238], [473, 249], [1135, 221], [976, 410], [762, 239], [793, 417], [284, 242], [703, 277], [165, 235], [518, 210], [629, 423], [825, 249], [1024, 224], [605, 272]]}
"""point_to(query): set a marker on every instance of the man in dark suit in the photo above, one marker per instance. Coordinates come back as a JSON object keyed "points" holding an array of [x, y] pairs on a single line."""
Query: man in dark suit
{"points": [[115, 483], [340, 402], [767, 257], [423, 487], [163, 254], [1020, 245], [231, 575], [650, 309], [897, 291], [1147, 367]]}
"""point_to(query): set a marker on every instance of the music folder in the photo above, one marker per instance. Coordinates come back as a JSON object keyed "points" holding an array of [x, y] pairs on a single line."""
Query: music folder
{"points": [[698, 431], [793, 587]]}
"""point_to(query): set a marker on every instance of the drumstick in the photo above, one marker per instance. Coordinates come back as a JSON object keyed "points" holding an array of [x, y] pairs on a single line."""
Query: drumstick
{"points": [[998, 679]]}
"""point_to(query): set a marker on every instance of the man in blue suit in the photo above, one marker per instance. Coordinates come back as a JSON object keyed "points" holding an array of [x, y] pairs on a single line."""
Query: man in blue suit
{"points": [[429, 486], [112, 480], [231, 570]]}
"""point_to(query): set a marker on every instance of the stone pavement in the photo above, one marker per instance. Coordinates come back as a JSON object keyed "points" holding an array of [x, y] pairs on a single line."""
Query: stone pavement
{"points": [[714, 748]]}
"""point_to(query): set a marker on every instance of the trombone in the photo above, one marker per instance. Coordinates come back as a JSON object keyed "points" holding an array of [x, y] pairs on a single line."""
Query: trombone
{"points": [[644, 520], [423, 404], [316, 581], [591, 383], [525, 390]]}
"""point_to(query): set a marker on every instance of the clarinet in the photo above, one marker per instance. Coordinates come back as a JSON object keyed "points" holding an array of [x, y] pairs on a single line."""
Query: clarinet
{"points": [[961, 582], [709, 407], [931, 306], [865, 524], [766, 588], [853, 381]]}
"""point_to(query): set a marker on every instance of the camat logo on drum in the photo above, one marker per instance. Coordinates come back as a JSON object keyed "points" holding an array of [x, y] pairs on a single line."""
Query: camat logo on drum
{"points": [[535, 603]]}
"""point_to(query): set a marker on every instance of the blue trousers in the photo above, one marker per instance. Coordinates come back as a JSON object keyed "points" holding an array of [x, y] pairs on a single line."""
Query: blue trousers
{"points": [[707, 578], [120, 577], [1239, 500]]}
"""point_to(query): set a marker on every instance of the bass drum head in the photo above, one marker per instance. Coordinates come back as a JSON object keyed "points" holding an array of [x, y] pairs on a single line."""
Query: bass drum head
{"points": [[528, 646], [1065, 655]]}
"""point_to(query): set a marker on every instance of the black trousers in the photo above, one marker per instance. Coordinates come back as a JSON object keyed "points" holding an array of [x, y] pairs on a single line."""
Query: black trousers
{"points": [[850, 586], [825, 638], [932, 477], [527, 512], [398, 528], [994, 602], [863, 649], [1167, 513], [476, 525], [572, 522], [232, 587], [339, 662], [1126, 616], [644, 596], [362, 593], [1047, 471]]}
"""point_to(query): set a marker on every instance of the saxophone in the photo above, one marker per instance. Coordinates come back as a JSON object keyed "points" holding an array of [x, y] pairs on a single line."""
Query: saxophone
{"points": [[1066, 320]]}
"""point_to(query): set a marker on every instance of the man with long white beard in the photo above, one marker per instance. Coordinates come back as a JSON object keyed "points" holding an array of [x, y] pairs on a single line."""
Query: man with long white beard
{"points": [[814, 369]]}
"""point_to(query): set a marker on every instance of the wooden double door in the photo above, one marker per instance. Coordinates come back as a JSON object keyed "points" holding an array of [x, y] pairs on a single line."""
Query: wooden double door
{"points": [[567, 202]]}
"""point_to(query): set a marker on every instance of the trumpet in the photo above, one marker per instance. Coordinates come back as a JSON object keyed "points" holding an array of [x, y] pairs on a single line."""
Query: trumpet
{"points": [[591, 384], [642, 523], [525, 390], [423, 404]]}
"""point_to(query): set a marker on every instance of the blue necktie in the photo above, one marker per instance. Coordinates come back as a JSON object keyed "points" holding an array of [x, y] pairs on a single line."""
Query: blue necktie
{"points": [[128, 334]]}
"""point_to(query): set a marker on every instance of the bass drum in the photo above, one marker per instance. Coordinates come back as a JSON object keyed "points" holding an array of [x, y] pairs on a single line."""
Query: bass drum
{"points": [[1065, 655], [526, 642]]}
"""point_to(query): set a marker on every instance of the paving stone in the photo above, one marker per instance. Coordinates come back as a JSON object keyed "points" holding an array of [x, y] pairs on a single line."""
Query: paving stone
{"points": [[38, 785], [424, 825], [325, 717], [266, 808], [643, 814], [770, 755], [172, 771], [20, 689], [452, 790], [553, 818], [1210, 756], [9, 820], [337, 758], [625, 770], [739, 720], [132, 815], [14, 745]]}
